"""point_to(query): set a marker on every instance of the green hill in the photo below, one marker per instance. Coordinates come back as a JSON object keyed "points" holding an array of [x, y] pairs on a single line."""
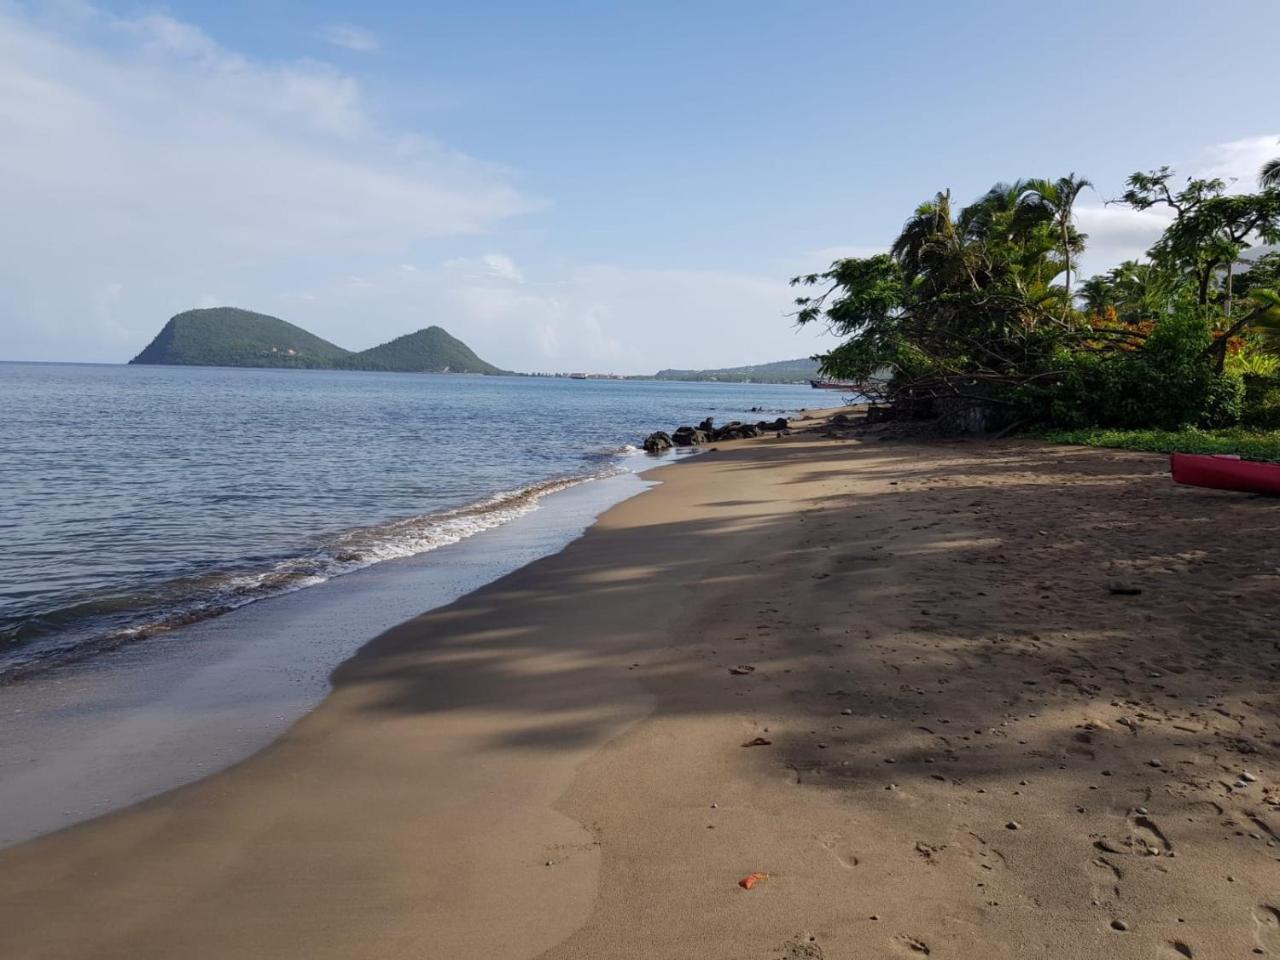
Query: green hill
{"points": [[780, 371], [428, 351], [229, 337]]}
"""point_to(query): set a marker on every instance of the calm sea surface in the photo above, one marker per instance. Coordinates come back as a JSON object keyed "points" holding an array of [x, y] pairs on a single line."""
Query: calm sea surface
{"points": [[136, 499]]}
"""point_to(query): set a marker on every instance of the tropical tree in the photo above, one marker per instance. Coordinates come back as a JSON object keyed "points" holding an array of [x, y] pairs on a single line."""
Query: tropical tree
{"points": [[1056, 200], [1210, 228], [963, 304], [1133, 292]]}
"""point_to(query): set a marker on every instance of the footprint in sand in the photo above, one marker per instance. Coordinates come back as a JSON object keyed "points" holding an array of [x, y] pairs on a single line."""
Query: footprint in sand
{"points": [[1110, 886], [803, 947], [839, 848], [1267, 919], [911, 945], [1149, 828], [979, 853], [1175, 949]]}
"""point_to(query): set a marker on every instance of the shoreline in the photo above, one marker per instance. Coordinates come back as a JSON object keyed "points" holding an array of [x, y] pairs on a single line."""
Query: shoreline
{"points": [[87, 737], [960, 755], [345, 553]]}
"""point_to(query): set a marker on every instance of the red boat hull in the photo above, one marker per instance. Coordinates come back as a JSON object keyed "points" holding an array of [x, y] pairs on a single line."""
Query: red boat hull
{"points": [[1226, 473]]}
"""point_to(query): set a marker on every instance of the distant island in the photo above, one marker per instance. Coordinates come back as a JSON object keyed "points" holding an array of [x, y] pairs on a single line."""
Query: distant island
{"points": [[230, 337], [781, 371]]}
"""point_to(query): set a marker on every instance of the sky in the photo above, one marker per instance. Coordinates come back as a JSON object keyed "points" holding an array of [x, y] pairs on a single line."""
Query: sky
{"points": [[610, 187]]}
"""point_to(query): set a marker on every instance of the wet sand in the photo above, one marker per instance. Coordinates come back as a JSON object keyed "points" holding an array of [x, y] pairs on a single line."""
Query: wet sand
{"points": [[94, 736], [973, 747]]}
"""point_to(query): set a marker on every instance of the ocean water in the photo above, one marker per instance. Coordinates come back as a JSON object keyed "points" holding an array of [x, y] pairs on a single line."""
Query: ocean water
{"points": [[137, 499]]}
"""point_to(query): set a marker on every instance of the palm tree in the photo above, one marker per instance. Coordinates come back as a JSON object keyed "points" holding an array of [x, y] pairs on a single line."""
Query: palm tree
{"points": [[1099, 293], [930, 227], [1057, 199], [1270, 174]]}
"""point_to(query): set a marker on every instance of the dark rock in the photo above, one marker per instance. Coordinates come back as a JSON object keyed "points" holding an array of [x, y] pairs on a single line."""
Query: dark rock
{"points": [[708, 425], [688, 436], [1123, 589], [657, 442]]}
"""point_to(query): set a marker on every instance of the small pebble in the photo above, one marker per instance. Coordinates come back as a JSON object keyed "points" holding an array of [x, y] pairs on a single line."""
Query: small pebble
{"points": [[1013, 825], [1248, 777]]}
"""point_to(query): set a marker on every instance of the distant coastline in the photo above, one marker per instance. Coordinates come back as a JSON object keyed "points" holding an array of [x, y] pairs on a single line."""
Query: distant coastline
{"points": [[232, 337]]}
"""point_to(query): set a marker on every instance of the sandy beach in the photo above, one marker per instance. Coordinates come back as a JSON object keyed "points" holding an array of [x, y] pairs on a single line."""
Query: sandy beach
{"points": [[966, 699]]}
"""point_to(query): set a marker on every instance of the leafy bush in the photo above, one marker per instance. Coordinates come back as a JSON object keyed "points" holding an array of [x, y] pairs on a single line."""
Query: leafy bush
{"points": [[1169, 384], [1261, 402]]}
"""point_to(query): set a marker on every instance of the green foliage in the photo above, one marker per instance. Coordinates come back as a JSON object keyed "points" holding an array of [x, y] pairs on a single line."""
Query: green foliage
{"points": [[871, 294], [1251, 444], [1210, 228], [1261, 273], [1254, 359], [1169, 383], [1262, 400], [229, 337], [975, 306], [1134, 292]]}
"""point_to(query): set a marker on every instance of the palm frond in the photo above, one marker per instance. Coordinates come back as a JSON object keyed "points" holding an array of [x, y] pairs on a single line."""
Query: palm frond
{"points": [[1269, 176]]}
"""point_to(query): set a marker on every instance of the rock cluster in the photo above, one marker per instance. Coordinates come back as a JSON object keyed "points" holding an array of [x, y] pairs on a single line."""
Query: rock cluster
{"points": [[708, 432]]}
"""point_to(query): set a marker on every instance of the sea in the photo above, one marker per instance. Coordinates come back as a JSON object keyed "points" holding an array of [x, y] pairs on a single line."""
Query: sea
{"points": [[137, 500]]}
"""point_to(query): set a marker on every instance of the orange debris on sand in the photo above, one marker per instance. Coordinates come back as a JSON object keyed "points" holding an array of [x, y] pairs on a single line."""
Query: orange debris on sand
{"points": [[751, 879]]}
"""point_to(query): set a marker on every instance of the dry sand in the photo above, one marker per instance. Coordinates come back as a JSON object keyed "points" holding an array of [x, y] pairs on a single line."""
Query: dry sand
{"points": [[975, 748]]}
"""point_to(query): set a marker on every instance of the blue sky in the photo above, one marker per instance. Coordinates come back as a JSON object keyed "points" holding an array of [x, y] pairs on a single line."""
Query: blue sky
{"points": [[572, 185]]}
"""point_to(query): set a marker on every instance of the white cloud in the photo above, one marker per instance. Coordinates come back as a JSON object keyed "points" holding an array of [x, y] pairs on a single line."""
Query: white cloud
{"points": [[1117, 233], [146, 164], [350, 37], [597, 318], [503, 267], [1239, 161]]}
